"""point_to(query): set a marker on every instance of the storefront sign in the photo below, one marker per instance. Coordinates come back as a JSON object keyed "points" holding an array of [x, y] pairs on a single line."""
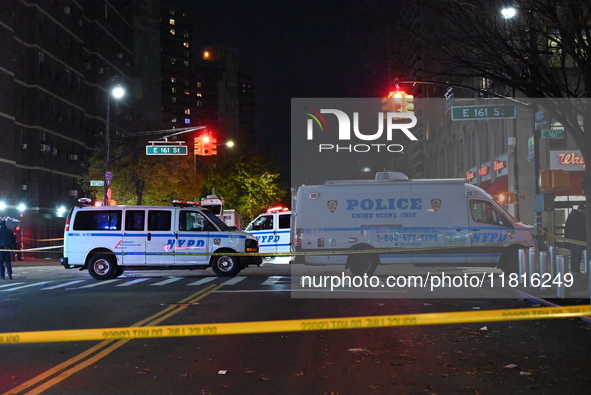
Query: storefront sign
{"points": [[471, 176], [484, 172], [500, 166], [567, 160]]}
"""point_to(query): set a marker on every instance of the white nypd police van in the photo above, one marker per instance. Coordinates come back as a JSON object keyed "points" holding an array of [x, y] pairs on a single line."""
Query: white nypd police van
{"points": [[106, 240], [423, 222], [273, 232]]}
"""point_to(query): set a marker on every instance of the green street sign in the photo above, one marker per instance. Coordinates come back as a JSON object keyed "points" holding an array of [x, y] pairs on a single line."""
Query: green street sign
{"points": [[552, 134], [166, 150], [100, 183], [467, 113]]}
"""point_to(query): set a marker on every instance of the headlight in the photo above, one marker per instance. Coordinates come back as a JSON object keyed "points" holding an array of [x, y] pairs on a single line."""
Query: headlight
{"points": [[252, 245]]}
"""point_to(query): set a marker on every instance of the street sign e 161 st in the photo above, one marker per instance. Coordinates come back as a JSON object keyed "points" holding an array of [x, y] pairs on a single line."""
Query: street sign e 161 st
{"points": [[467, 113], [166, 150]]}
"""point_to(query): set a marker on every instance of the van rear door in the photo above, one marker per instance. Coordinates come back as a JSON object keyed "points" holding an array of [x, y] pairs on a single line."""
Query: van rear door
{"points": [[264, 229]]}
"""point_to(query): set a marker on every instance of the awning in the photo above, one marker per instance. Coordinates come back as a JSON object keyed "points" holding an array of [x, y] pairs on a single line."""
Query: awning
{"points": [[500, 184]]}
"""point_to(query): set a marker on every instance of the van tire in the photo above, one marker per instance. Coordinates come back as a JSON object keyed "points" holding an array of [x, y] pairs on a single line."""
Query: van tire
{"points": [[119, 271], [102, 267], [360, 264], [225, 265]]}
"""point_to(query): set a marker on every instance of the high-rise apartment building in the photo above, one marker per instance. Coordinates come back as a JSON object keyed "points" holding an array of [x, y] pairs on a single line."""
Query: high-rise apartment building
{"points": [[57, 60]]}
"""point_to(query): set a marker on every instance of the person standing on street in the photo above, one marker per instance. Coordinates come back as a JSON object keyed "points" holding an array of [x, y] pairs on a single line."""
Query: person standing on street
{"points": [[7, 242], [575, 229], [19, 243]]}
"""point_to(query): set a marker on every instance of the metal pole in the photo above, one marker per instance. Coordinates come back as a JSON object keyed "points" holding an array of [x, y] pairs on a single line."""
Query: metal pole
{"points": [[544, 267], [560, 269], [534, 264], [553, 251], [522, 260], [107, 147]]}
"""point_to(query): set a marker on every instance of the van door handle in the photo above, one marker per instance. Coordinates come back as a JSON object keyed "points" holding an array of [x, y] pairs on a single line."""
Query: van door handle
{"points": [[458, 229], [149, 236], [475, 230]]}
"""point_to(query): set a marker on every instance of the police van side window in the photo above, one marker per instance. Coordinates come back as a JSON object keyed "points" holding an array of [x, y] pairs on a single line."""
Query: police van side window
{"points": [[98, 220], [193, 221], [284, 221], [264, 222], [159, 220], [484, 212], [134, 219]]}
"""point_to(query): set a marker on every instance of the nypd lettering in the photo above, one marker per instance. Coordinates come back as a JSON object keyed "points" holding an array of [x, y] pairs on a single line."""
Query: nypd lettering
{"points": [[184, 243]]}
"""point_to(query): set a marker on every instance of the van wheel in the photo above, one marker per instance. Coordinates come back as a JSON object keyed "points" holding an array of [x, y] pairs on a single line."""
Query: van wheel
{"points": [[361, 264], [102, 267], [225, 265]]}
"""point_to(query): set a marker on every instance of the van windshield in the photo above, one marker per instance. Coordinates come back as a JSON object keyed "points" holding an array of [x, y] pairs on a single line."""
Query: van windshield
{"points": [[219, 223]]}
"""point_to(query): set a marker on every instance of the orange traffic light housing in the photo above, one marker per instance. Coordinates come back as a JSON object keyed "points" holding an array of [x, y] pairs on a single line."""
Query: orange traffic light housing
{"points": [[198, 146]]}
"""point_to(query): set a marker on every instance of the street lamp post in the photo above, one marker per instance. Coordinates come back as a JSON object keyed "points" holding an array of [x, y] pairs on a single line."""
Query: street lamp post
{"points": [[117, 92]]}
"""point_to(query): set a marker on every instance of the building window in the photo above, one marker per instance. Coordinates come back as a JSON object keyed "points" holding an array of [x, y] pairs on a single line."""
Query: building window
{"points": [[199, 103], [173, 32], [199, 85], [187, 82], [173, 90], [187, 111], [174, 120], [187, 92], [173, 99], [173, 60], [186, 35], [186, 62], [187, 121], [186, 44], [199, 94], [172, 79], [171, 21]]}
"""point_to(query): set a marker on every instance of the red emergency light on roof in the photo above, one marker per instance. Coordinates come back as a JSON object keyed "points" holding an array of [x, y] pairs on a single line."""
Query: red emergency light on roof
{"points": [[185, 203], [277, 209]]}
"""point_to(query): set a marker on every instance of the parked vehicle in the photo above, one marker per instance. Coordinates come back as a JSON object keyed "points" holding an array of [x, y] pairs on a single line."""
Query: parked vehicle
{"points": [[106, 240], [424, 222], [272, 230]]}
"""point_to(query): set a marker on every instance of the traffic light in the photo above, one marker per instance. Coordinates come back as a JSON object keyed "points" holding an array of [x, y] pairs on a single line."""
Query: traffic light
{"points": [[408, 105], [206, 145], [198, 150], [214, 146]]}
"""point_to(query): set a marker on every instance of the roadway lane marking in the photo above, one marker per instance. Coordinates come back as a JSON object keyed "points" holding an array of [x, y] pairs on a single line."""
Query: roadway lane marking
{"points": [[78, 362], [132, 282], [9, 285], [98, 284], [170, 280], [272, 280], [203, 281], [24, 286], [64, 284], [235, 280]]}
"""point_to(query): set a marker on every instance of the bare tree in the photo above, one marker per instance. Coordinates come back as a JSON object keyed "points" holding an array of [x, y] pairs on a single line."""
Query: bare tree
{"points": [[540, 48]]}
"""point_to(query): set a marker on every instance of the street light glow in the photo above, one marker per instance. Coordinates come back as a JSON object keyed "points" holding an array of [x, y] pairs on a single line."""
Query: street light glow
{"points": [[21, 207], [508, 12], [118, 92], [230, 144]]}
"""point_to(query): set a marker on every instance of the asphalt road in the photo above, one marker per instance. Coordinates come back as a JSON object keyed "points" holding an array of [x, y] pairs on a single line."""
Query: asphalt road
{"points": [[512, 357]]}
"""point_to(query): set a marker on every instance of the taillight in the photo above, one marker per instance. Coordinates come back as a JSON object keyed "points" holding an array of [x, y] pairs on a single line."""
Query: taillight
{"points": [[297, 238], [67, 226]]}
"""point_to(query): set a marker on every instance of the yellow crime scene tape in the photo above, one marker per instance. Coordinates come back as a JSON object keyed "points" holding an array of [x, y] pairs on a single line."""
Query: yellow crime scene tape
{"points": [[299, 325]]}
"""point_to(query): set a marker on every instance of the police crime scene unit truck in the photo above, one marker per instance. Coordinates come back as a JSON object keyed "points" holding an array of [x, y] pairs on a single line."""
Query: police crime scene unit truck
{"points": [[272, 229], [424, 222], [106, 240]]}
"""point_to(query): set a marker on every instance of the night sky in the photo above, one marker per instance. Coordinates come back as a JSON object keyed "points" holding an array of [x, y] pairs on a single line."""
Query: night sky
{"points": [[296, 49]]}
